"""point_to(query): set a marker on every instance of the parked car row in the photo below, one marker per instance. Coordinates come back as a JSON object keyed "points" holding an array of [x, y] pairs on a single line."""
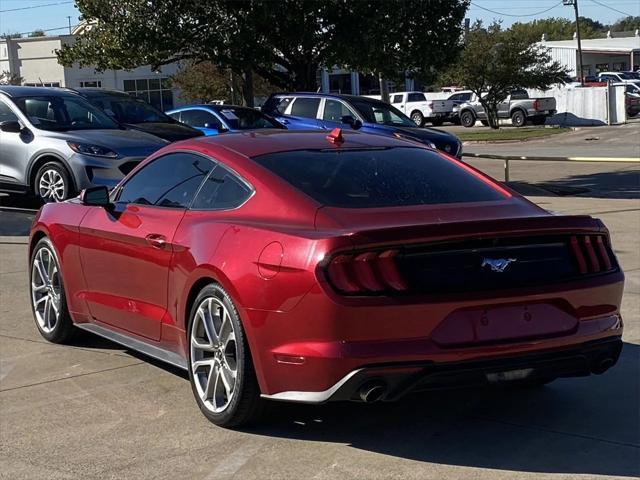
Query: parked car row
{"points": [[57, 141]]}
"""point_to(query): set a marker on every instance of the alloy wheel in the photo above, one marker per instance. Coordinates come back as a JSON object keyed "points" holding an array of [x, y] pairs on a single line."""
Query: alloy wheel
{"points": [[45, 290], [51, 186], [214, 355]]}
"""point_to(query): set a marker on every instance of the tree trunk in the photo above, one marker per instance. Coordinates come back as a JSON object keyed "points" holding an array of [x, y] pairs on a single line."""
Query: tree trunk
{"points": [[384, 89], [492, 114], [247, 89]]}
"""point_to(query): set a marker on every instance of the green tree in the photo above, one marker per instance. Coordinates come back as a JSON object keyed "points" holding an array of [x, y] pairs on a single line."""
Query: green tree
{"points": [[556, 29], [204, 82], [37, 33], [6, 36], [284, 42], [626, 24], [398, 39], [496, 62]]}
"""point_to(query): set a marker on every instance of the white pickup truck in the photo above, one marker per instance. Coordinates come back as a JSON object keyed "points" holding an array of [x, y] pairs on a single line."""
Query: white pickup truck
{"points": [[421, 108], [416, 106]]}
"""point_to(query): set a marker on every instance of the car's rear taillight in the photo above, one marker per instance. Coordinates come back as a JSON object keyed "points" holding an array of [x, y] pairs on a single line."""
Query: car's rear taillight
{"points": [[366, 273], [536, 105], [591, 253]]}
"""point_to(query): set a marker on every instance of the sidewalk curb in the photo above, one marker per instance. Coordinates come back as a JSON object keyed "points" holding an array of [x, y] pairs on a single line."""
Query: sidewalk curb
{"points": [[552, 159]]}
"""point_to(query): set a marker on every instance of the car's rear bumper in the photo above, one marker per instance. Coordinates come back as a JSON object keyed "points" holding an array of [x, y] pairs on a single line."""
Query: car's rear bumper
{"points": [[390, 381]]}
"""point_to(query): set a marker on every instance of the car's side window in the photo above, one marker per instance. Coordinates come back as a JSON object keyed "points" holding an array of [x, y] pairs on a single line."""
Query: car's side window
{"points": [[305, 107], [282, 104], [221, 190], [168, 181], [6, 115], [396, 99], [416, 97], [335, 110], [201, 119]]}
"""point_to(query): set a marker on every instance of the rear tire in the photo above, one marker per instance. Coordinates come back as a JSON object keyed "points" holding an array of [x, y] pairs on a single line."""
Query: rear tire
{"points": [[518, 119], [53, 183], [221, 371], [417, 118], [48, 300], [467, 119]]}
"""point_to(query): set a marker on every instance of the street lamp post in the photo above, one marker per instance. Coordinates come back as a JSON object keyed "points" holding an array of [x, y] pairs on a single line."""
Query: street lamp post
{"points": [[575, 8]]}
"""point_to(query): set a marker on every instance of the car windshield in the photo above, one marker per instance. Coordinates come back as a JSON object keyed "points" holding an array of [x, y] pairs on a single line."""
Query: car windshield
{"points": [[127, 109], [382, 114], [378, 177], [63, 112], [239, 118]]}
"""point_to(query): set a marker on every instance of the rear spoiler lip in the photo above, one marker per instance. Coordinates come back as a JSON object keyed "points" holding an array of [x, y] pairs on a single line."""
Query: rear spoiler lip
{"points": [[477, 229]]}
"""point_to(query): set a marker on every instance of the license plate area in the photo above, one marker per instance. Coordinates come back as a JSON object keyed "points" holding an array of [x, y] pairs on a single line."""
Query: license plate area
{"points": [[498, 324]]}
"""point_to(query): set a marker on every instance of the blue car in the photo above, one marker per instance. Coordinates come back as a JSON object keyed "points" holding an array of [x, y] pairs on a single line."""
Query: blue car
{"points": [[215, 119], [303, 111]]}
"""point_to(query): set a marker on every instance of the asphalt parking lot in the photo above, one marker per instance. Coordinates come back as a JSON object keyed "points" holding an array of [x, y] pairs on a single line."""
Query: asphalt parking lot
{"points": [[97, 411]]}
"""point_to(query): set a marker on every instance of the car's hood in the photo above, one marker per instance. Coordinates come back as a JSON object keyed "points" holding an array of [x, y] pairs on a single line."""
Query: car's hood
{"points": [[431, 134], [126, 143], [172, 132]]}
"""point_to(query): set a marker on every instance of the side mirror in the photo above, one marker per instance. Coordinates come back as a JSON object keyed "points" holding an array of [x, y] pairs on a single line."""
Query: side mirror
{"points": [[349, 120], [11, 127], [96, 196]]}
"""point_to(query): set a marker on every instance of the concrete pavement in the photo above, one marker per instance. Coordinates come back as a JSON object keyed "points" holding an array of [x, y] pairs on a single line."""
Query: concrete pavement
{"points": [[615, 141], [97, 411]]}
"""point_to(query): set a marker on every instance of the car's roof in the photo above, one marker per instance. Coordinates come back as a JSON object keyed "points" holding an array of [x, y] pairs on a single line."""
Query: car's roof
{"points": [[209, 106], [20, 91], [252, 143], [100, 92], [329, 95]]}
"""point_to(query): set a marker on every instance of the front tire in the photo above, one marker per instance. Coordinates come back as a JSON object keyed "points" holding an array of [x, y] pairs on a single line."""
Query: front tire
{"points": [[417, 118], [53, 183], [48, 301], [221, 371]]}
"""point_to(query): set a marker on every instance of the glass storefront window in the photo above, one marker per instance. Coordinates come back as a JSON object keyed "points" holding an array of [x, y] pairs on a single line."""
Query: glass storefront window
{"points": [[156, 91]]}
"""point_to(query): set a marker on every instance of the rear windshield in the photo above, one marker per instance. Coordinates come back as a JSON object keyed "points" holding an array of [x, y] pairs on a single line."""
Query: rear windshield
{"points": [[385, 177]]}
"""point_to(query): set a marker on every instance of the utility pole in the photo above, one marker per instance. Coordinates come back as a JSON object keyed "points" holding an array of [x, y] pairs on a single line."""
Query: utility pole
{"points": [[69, 19], [575, 8]]}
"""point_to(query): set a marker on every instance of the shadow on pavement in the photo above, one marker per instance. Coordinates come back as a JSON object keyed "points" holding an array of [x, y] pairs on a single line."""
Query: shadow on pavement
{"points": [[585, 426], [616, 184]]}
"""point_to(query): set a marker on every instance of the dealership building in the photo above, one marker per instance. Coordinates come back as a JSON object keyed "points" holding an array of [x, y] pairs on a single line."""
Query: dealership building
{"points": [[619, 51], [34, 59]]}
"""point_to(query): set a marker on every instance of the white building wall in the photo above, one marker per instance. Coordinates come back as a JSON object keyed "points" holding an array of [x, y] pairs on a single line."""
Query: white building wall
{"points": [[585, 106], [35, 60], [566, 57]]}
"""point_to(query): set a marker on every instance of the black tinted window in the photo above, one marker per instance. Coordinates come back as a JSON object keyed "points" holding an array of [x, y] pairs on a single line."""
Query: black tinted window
{"points": [[168, 181], [200, 118], [221, 190], [305, 107], [396, 99], [378, 177], [416, 97], [243, 118]]}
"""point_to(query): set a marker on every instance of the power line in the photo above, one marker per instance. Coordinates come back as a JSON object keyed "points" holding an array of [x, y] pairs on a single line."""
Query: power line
{"points": [[611, 8], [34, 6], [511, 15], [44, 30]]}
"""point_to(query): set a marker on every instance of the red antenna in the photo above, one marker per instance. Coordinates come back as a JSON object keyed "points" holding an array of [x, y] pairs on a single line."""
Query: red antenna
{"points": [[335, 136]]}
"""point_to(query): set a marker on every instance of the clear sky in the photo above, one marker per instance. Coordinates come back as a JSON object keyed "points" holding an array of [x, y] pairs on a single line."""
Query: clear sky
{"points": [[52, 14]]}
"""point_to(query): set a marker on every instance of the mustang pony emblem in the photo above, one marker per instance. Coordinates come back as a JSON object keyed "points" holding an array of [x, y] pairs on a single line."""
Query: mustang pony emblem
{"points": [[497, 264]]}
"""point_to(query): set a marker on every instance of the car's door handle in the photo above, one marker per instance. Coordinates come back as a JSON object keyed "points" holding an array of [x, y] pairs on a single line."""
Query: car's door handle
{"points": [[156, 240]]}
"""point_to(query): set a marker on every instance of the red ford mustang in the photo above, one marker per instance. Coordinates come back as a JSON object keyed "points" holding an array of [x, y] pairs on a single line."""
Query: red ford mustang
{"points": [[303, 267]]}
